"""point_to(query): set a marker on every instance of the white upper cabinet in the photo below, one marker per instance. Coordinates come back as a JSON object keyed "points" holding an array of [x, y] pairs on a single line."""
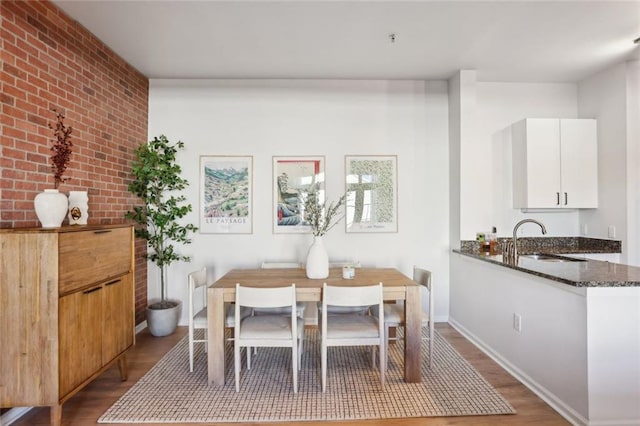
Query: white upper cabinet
{"points": [[555, 163]]}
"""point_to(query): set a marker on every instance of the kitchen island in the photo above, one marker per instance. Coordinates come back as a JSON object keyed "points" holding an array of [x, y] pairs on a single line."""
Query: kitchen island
{"points": [[568, 270], [570, 331]]}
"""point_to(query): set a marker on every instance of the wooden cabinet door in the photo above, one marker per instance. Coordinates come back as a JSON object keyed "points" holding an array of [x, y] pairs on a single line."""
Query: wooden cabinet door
{"points": [[579, 167], [28, 319], [118, 325], [80, 331]]}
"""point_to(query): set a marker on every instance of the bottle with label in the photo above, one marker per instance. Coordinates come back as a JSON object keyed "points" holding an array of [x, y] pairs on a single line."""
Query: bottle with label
{"points": [[493, 242], [483, 245]]}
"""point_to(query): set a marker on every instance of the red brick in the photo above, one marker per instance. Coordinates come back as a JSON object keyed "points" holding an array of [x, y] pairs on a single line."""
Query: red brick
{"points": [[52, 62]]}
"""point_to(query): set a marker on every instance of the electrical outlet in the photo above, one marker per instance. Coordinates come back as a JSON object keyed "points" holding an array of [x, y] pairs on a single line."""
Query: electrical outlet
{"points": [[517, 322], [612, 231], [584, 229]]}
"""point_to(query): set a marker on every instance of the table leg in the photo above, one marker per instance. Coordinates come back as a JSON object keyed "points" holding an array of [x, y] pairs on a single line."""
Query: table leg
{"points": [[215, 335], [413, 338]]}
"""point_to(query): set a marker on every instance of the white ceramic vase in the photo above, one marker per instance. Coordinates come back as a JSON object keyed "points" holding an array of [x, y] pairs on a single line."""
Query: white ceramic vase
{"points": [[317, 260], [78, 207], [51, 208]]}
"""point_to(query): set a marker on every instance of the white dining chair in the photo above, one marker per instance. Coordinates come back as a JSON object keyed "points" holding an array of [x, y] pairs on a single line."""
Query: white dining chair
{"points": [[268, 330], [352, 329], [198, 310], [394, 312]]}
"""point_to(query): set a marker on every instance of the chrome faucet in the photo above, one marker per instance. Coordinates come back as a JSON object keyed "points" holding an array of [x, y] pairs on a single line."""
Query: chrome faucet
{"points": [[515, 237]]}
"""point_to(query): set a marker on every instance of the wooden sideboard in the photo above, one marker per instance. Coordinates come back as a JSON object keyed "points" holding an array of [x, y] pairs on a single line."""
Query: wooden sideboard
{"points": [[66, 310]]}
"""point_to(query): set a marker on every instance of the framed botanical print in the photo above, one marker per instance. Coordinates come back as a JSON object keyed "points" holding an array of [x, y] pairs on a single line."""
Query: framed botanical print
{"points": [[226, 194], [372, 193], [292, 177]]}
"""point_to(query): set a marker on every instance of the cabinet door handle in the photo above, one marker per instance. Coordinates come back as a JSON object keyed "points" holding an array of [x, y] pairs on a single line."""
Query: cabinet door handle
{"points": [[566, 199], [557, 198], [112, 282], [92, 290], [102, 231]]}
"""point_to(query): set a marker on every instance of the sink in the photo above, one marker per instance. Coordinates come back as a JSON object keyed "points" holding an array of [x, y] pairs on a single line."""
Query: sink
{"points": [[545, 257]]}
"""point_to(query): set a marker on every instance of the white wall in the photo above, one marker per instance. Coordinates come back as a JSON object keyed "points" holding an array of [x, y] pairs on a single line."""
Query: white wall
{"points": [[612, 96], [488, 164], [603, 96], [264, 118], [633, 162], [480, 119], [455, 133]]}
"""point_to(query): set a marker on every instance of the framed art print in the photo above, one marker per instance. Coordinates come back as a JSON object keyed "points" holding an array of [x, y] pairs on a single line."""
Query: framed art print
{"points": [[292, 177], [372, 193], [226, 194]]}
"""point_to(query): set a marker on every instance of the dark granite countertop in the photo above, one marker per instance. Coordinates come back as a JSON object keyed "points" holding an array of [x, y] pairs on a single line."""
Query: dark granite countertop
{"points": [[588, 273], [558, 245]]}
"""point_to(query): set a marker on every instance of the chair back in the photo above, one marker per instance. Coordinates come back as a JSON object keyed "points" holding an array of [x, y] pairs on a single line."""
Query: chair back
{"points": [[340, 264], [423, 277], [280, 265], [274, 297], [197, 279], [351, 296]]}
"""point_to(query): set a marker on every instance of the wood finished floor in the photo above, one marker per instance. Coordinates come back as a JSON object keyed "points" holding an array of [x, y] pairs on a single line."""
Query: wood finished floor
{"points": [[89, 404]]}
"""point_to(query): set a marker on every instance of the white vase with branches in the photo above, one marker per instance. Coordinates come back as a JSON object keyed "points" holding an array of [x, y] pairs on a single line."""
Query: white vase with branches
{"points": [[321, 219]]}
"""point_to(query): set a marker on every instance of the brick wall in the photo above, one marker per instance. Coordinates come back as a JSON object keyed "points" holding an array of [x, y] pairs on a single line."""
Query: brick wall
{"points": [[50, 61]]}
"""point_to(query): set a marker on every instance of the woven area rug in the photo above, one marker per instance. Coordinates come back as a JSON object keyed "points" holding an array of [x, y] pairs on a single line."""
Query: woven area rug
{"points": [[168, 393]]}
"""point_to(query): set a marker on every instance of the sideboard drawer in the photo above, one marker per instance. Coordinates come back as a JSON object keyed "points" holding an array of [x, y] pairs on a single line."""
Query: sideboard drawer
{"points": [[87, 257]]}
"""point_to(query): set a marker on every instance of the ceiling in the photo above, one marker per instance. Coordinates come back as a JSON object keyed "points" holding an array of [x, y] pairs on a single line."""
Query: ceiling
{"points": [[528, 41]]}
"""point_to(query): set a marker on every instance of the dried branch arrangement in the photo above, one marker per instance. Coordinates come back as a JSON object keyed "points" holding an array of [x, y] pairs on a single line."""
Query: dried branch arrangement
{"points": [[61, 148], [321, 218]]}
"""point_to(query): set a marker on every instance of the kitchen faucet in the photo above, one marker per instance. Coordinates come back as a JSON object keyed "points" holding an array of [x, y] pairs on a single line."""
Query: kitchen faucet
{"points": [[515, 237]]}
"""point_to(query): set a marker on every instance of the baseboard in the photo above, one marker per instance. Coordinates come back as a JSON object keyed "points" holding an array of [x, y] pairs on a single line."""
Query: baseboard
{"points": [[547, 396], [15, 413], [141, 326]]}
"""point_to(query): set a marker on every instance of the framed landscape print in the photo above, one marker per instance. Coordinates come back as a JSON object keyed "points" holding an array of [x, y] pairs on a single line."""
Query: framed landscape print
{"points": [[226, 194], [372, 193], [292, 177]]}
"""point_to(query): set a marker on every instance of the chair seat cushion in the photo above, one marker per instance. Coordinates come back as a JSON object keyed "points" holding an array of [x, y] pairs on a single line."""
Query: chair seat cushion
{"points": [[394, 315], [269, 327], [200, 319], [351, 326]]}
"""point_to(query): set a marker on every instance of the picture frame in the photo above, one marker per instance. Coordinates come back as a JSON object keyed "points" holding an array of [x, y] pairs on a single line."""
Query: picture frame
{"points": [[226, 193], [371, 185], [292, 176]]}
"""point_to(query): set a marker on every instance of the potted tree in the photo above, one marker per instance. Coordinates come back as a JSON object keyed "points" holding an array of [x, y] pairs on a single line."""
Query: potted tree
{"points": [[156, 180]]}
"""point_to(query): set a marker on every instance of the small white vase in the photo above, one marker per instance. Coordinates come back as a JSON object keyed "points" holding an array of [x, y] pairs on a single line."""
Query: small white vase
{"points": [[317, 260], [78, 207], [51, 208]]}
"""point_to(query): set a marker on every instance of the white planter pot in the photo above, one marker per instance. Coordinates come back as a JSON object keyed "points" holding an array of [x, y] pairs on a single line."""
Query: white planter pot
{"points": [[163, 322], [78, 207], [317, 260], [51, 208]]}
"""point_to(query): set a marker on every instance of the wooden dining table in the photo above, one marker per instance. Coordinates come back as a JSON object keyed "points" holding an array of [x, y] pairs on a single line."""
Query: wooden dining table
{"points": [[396, 286]]}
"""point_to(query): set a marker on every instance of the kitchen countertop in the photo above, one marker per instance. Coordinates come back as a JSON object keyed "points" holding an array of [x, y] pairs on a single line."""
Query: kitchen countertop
{"points": [[587, 273]]}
